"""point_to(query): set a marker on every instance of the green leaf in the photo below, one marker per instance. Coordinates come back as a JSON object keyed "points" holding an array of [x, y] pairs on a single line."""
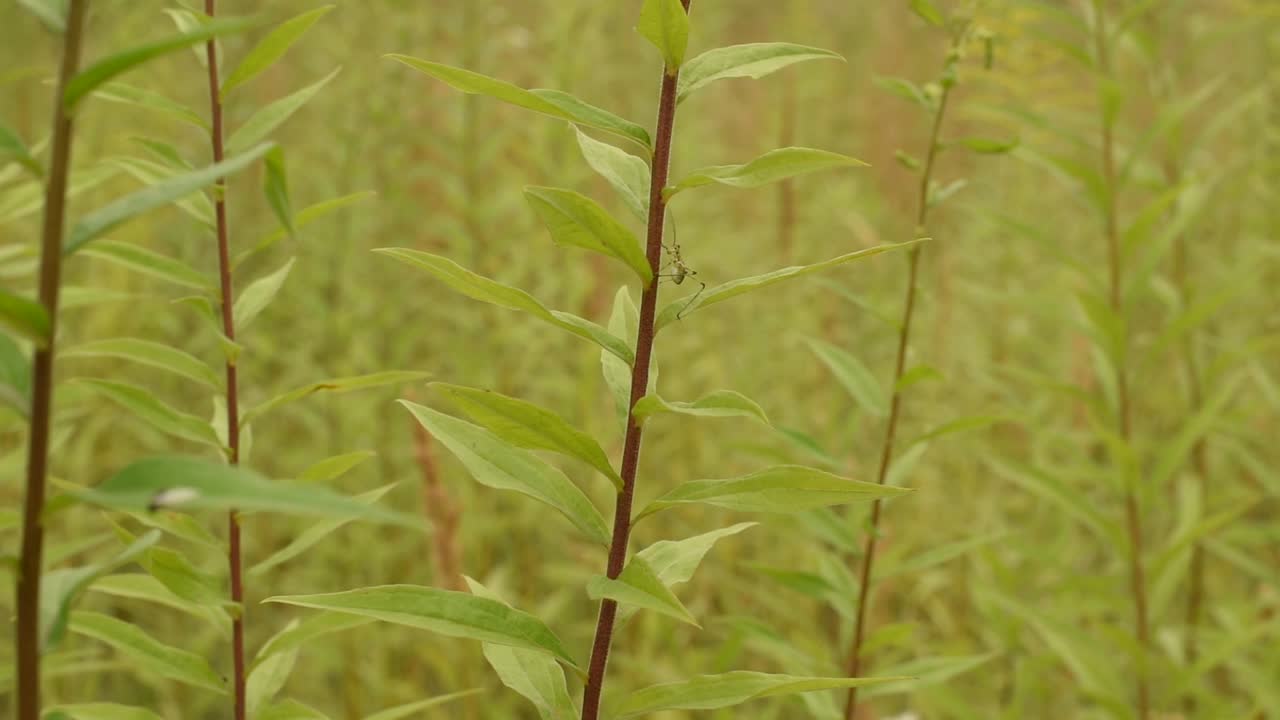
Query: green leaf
{"points": [[904, 89], [276, 189], [145, 652], [665, 23], [534, 675], [578, 221], [149, 262], [304, 217], [336, 386], [151, 354], [496, 464], [314, 534], [928, 12], [195, 484], [52, 13], [101, 711], [138, 97], [155, 412], [264, 121], [89, 79], [639, 586], [927, 671], [674, 561], [528, 426], [446, 612], [988, 146], [12, 149], [295, 636], [720, 403], [681, 308], [548, 102], [60, 589], [708, 692], [15, 376], [272, 48], [269, 676], [290, 710], [495, 293], [25, 317], [628, 174], [101, 221], [142, 586], [771, 167], [753, 60], [404, 711], [335, 466], [781, 489], [197, 205], [258, 295], [853, 375], [183, 579], [972, 422]]}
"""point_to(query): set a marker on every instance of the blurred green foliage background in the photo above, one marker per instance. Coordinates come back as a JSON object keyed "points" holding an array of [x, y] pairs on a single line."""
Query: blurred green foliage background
{"points": [[1036, 589]]}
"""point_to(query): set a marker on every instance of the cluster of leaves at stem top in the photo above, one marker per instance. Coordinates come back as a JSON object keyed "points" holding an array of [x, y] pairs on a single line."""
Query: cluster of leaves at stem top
{"points": [[495, 436], [159, 498]]}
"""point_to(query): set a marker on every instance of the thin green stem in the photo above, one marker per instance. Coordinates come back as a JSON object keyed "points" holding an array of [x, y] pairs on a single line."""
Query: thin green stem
{"points": [[639, 385], [234, 559], [895, 404], [27, 637]]}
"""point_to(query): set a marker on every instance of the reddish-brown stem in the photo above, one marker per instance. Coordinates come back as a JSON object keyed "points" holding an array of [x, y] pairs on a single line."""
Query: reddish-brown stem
{"points": [[233, 397], [639, 385], [27, 637], [441, 509], [895, 405], [1133, 514]]}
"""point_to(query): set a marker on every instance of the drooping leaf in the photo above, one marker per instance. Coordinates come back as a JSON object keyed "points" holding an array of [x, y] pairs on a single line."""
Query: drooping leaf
{"points": [[548, 102], [143, 586], [172, 570], [639, 586], [771, 167], [708, 692], [258, 295], [446, 612], [753, 60], [927, 671], [665, 23], [972, 422], [495, 293], [276, 189], [268, 118], [310, 628], [194, 484], [101, 221], [25, 317], [624, 318], [336, 386], [628, 174], [856, 378], [720, 403], [155, 412], [314, 534], [576, 220], [145, 652], [60, 589], [149, 262], [408, 709], [196, 205], [138, 97], [496, 464], [269, 676], [529, 426], [681, 308], [272, 48], [92, 77], [674, 561], [904, 89], [12, 149], [15, 376], [335, 466], [781, 489], [52, 13], [151, 354]]}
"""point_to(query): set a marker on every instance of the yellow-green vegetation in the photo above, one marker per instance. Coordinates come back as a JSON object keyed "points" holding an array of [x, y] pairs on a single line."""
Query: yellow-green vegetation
{"points": [[950, 326]]}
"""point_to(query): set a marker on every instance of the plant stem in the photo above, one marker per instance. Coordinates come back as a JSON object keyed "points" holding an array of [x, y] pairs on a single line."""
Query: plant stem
{"points": [[27, 637], [895, 404], [639, 386], [233, 397], [1133, 515]]}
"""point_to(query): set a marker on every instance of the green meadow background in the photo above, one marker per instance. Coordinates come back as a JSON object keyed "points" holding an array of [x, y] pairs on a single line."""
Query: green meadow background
{"points": [[1002, 553]]}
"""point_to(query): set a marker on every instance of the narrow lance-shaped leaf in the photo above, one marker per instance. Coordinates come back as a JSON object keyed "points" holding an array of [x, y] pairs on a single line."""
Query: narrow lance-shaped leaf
{"points": [[337, 386], [639, 586], [151, 354], [155, 412], [856, 378], [308, 629], [100, 711], [666, 24], [928, 12], [25, 317], [446, 612], [576, 220], [304, 217], [61, 587], [781, 489], [87, 80], [52, 13], [771, 167], [15, 376], [495, 293], [628, 174], [13, 149], [264, 121], [708, 692], [720, 403], [682, 307], [149, 262], [269, 676], [272, 48], [411, 709], [623, 320], [276, 189], [548, 102], [674, 561], [258, 295], [145, 652], [119, 92], [314, 534], [102, 221], [528, 426], [753, 60], [335, 466], [496, 464]]}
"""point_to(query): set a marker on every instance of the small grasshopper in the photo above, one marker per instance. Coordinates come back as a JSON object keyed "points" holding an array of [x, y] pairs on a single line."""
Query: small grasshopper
{"points": [[679, 268]]}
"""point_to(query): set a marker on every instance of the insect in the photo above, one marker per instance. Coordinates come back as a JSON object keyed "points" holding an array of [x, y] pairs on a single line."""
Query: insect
{"points": [[172, 497], [680, 270]]}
